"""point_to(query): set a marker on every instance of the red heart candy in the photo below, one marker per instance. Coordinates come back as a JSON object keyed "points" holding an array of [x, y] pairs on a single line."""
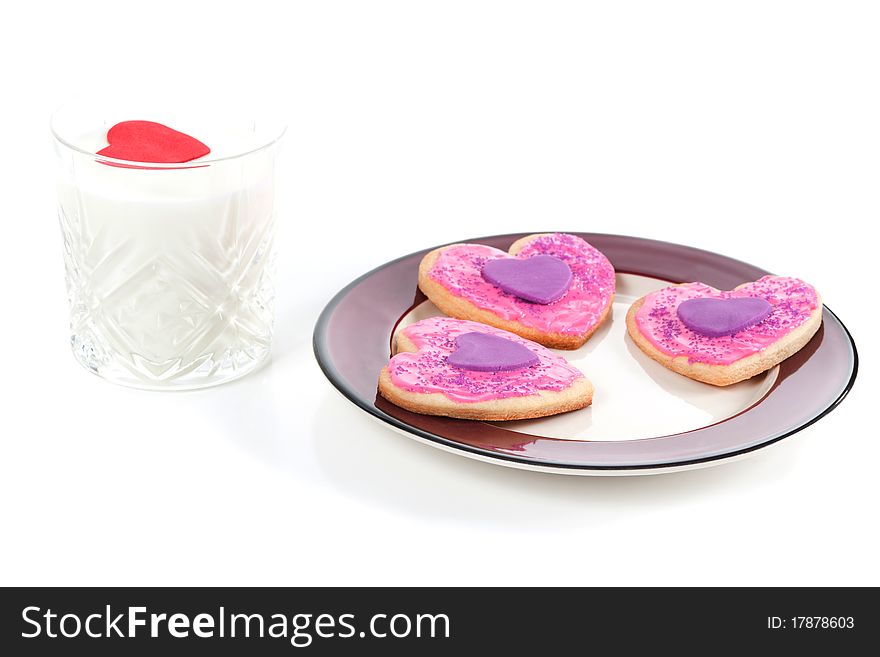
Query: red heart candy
{"points": [[146, 141]]}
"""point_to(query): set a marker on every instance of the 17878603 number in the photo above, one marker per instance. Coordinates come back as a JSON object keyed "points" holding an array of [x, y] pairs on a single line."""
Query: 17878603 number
{"points": [[811, 623]]}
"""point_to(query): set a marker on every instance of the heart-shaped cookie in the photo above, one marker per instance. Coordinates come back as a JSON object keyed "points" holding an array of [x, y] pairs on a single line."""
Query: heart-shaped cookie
{"points": [[146, 141], [724, 337], [429, 373], [553, 288]]}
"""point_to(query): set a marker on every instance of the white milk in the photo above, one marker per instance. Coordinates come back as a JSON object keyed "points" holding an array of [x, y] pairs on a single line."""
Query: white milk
{"points": [[169, 270]]}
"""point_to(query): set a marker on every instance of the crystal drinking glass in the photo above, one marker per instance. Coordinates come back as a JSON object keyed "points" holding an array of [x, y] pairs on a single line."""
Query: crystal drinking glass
{"points": [[169, 267]]}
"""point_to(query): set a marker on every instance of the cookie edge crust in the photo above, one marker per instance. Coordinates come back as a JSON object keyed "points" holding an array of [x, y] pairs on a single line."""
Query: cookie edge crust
{"points": [[578, 395], [461, 308], [744, 368]]}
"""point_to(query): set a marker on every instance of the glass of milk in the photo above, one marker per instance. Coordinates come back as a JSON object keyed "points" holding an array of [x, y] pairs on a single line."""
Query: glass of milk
{"points": [[169, 267]]}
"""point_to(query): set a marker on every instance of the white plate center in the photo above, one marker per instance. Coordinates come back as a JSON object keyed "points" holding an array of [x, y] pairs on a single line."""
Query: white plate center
{"points": [[634, 397]]}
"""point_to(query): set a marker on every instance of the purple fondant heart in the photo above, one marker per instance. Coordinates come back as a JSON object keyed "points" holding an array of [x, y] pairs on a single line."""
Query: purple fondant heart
{"points": [[482, 352], [717, 317], [540, 279]]}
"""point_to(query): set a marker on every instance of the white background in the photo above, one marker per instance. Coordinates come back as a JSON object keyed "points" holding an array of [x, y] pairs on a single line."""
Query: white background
{"points": [[747, 128]]}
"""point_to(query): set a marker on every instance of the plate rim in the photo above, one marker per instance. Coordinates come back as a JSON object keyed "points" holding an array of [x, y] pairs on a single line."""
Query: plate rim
{"points": [[329, 370]]}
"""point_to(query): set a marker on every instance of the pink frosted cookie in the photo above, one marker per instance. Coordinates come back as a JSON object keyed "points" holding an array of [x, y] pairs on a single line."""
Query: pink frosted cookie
{"points": [[724, 337], [463, 369], [552, 288]]}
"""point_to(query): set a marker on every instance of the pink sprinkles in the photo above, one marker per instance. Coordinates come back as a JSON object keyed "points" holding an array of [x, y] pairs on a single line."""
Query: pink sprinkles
{"points": [[793, 302], [458, 270], [426, 371]]}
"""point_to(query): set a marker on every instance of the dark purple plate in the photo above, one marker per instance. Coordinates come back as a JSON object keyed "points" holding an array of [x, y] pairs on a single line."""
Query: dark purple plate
{"points": [[352, 343]]}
